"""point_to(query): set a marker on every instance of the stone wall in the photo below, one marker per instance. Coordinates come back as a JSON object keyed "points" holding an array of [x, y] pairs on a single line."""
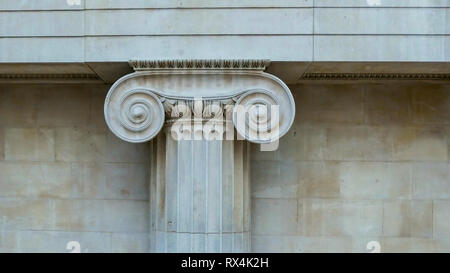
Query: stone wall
{"points": [[64, 177], [363, 162]]}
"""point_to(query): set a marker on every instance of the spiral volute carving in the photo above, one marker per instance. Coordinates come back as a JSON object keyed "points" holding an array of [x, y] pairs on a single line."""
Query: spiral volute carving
{"points": [[135, 115]]}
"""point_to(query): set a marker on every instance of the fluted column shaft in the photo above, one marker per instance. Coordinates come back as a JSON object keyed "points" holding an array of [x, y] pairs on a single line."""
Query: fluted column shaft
{"points": [[199, 195]]}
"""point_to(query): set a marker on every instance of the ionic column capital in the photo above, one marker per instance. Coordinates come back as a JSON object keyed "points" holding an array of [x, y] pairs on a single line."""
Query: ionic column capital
{"points": [[259, 105]]}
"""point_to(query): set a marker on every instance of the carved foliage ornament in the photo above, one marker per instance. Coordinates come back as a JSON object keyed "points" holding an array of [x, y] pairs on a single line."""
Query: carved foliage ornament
{"points": [[258, 105]]}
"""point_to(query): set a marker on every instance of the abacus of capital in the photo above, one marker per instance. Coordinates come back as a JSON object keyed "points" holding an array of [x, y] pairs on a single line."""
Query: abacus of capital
{"points": [[200, 116]]}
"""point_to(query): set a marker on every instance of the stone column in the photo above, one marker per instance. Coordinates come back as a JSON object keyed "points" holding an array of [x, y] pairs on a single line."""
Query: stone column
{"points": [[201, 115]]}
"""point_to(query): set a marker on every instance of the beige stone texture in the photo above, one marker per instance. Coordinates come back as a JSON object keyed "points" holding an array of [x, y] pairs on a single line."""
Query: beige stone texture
{"points": [[80, 144], [129, 243], [441, 218], [362, 162], [341, 104], [374, 180], [419, 144], [408, 218], [431, 180], [341, 218], [30, 144], [372, 165], [359, 143], [274, 216]]}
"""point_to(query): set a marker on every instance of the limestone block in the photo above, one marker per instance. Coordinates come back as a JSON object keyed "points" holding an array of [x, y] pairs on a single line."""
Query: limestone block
{"points": [[57, 242], [257, 154], [419, 144], [123, 4], [130, 242], [374, 180], [14, 180], [277, 48], [2, 143], [42, 49], [273, 244], [274, 179], [25, 214], [274, 216], [431, 180], [330, 217], [359, 143], [408, 218], [127, 181], [101, 215], [300, 244], [35, 179], [318, 180], [383, 3], [110, 181], [122, 151], [380, 21], [49, 180], [29, 144], [39, 5], [389, 48], [17, 105], [328, 104], [386, 105], [324, 244], [199, 21], [41, 23], [80, 144], [8, 242], [441, 212], [431, 104], [407, 245], [303, 143], [66, 106], [96, 111], [311, 144]]}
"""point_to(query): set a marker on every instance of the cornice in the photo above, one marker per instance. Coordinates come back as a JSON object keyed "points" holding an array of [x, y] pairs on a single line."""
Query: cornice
{"points": [[243, 64], [375, 76], [50, 77]]}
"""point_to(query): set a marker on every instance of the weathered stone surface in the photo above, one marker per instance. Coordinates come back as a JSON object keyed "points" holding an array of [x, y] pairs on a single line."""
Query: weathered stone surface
{"points": [[129, 242], [431, 180], [58, 242], [419, 144], [30, 144], [376, 21], [359, 143], [441, 211], [14, 97], [80, 144], [110, 181], [329, 104], [387, 105], [199, 21], [319, 180], [26, 214], [431, 104], [342, 218], [408, 219], [274, 216], [374, 180], [284, 173], [101, 215], [68, 106]]}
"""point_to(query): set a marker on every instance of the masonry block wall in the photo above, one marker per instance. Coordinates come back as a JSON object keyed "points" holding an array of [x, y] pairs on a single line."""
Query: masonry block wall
{"points": [[63, 175], [363, 162]]}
